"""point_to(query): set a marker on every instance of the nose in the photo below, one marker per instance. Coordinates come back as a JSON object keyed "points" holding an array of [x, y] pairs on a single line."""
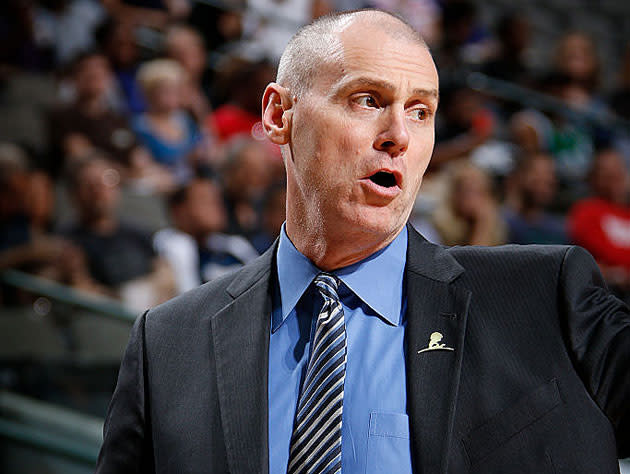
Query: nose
{"points": [[394, 137]]}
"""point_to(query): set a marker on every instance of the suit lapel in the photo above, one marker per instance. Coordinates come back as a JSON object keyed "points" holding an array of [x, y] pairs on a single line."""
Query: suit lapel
{"points": [[435, 305], [241, 344]]}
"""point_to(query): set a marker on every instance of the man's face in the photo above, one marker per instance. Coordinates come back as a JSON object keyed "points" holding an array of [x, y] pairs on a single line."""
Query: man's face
{"points": [[539, 182], [97, 191], [93, 77], [205, 209], [610, 178], [362, 136]]}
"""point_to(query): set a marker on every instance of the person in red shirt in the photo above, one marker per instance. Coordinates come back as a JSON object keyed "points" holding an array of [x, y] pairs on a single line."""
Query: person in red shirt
{"points": [[601, 223]]}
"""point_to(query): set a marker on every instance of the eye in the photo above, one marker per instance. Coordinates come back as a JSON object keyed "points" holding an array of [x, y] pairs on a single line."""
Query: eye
{"points": [[366, 101], [420, 113]]}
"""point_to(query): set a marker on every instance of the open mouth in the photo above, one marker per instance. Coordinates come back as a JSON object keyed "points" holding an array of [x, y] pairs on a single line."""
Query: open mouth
{"points": [[384, 179]]}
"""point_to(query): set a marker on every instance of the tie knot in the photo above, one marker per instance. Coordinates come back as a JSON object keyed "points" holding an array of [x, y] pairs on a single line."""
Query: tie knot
{"points": [[327, 285]]}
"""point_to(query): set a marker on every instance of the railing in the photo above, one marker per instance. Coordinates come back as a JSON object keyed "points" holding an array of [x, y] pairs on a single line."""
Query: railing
{"points": [[50, 429], [95, 304], [533, 99]]}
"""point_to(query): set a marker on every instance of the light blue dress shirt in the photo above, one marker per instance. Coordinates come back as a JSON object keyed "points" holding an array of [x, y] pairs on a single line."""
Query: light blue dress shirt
{"points": [[375, 426]]}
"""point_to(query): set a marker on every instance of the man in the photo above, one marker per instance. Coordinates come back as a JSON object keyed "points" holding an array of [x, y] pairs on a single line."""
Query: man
{"points": [[477, 360], [195, 246], [119, 255], [531, 190], [89, 122], [601, 223]]}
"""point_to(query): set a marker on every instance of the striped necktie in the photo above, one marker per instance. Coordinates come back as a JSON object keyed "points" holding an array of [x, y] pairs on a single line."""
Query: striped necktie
{"points": [[316, 440]]}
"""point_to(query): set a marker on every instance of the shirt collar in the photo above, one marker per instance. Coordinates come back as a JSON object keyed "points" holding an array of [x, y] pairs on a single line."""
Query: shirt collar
{"points": [[377, 280]]}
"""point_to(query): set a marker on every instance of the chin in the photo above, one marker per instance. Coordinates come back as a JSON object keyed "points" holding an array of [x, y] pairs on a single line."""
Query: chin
{"points": [[378, 222]]}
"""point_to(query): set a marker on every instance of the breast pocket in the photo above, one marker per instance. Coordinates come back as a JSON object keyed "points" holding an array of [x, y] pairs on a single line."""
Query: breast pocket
{"points": [[510, 439], [388, 444]]}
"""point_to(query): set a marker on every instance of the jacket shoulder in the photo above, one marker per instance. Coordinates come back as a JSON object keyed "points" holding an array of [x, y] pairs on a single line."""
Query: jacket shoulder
{"points": [[206, 300], [510, 250], [511, 263], [512, 253]]}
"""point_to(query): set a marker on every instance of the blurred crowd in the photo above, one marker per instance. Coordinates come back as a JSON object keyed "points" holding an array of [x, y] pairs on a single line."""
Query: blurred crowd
{"points": [[133, 163]]}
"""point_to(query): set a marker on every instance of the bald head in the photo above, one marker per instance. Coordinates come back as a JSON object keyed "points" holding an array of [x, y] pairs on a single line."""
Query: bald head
{"points": [[320, 43]]}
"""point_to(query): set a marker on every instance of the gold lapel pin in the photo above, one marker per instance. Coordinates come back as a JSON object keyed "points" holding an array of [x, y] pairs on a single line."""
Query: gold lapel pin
{"points": [[435, 344]]}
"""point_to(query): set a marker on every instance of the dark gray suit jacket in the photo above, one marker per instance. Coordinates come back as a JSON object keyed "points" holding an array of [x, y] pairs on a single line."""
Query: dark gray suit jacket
{"points": [[539, 381]]}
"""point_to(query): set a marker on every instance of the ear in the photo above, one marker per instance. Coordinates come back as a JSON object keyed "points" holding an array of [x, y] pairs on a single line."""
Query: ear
{"points": [[277, 111]]}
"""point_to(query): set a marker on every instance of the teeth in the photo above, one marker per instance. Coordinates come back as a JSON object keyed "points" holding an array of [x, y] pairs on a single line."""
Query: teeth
{"points": [[383, 178]]}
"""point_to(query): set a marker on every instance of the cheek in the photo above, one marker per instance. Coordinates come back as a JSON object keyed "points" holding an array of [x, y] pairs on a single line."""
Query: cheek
{"points": [[421, 162], [425, 149], [353, 147], [327, 149]]}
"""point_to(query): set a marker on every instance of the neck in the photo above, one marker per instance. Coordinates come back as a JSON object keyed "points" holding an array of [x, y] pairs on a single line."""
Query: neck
{"points": [[618, 199], [92, 105], [101, 224], [201, 238], [160, 114], [330, 251], [529, 210]]}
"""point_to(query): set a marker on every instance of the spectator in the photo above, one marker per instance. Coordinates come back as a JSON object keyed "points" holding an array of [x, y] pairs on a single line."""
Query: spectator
{"points": [[561, 134], [271, 24], [531, 189], [273, 216], [513, 33], [89, 122], [185, 45], [601, 223], [171, 136], [154, 14], [464, 41], [464, 123], [220, 24], [19, 45], [195, 245], [117, 39], [470, 215], [67, 26], [15, 187], [120, 256], [576, 58], [242, 83], [423, 15], [248, 173], [26, 203], [620, 100]]}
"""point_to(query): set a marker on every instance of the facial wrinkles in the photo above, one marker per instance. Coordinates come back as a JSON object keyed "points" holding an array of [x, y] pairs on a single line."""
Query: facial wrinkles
{"points": [[350, 138], [399, 63], [406, 70]]}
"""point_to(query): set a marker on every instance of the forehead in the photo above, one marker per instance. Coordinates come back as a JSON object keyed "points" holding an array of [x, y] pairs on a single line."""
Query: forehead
{"points": [[609, 159], [369, 52], [91, 175], [201, 187], [91, 62]]}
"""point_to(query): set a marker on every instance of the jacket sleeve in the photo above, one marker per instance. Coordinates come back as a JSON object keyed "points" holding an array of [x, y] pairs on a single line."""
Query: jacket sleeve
{"points": [[127, 446], [598, 330]]}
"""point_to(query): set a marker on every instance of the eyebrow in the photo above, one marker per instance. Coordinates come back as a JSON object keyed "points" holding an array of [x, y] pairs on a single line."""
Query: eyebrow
{"points": [[380, 84]]}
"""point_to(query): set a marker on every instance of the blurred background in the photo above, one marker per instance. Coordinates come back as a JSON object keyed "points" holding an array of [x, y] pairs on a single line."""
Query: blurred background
{"points": [[133, 167]]}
